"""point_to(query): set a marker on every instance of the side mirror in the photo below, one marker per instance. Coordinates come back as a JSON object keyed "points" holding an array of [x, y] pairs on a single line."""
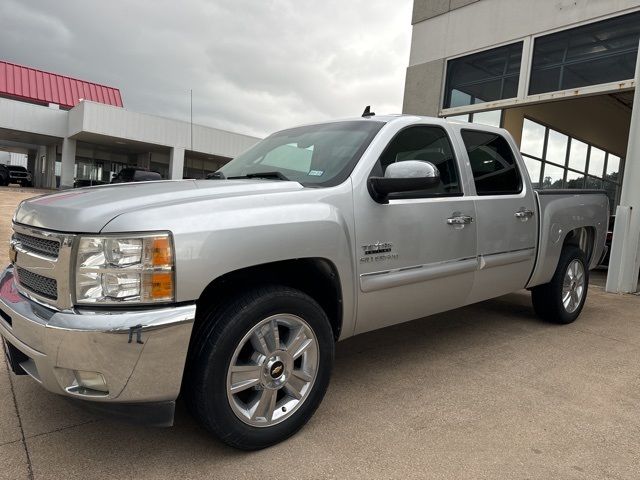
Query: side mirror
{"points": [[406, 176]]}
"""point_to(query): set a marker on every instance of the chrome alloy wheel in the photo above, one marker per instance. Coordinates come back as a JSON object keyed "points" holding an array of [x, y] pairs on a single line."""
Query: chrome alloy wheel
{"points": [[573, 286], [272, 370]]}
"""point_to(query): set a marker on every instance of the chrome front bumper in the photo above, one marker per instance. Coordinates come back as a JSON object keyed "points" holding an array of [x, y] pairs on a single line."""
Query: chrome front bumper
{"points": [[140, 353]]}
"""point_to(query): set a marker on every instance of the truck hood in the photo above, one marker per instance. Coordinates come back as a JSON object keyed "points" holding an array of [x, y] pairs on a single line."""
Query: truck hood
{"points": [[88, 210]]}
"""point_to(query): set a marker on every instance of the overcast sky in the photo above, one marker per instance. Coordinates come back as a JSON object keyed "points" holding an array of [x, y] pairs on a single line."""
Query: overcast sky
{"points": [[255, 66]]}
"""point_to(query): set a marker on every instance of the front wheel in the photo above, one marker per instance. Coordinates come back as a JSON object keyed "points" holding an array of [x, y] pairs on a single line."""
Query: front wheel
{"points": [[562, 299], [260, 367]]}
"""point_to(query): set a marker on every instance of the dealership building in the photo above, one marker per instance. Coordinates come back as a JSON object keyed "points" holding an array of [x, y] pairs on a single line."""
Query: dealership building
{"points": [[73, 130], [560, 76]]}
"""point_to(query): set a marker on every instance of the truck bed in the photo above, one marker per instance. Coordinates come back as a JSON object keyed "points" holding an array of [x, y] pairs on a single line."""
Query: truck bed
{"points": [[561, 213]]}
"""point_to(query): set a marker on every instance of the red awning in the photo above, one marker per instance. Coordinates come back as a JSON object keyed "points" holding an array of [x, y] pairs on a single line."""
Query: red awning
{"points": [[43, 87]]}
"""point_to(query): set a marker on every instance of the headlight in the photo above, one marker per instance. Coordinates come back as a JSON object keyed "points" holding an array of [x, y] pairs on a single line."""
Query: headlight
{"points": [[119, 269]]}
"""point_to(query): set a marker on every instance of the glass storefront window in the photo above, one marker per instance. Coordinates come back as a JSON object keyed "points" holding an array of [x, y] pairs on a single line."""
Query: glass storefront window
{"points": [[491, 118], [593, 183], [532, 138], [534, 167], [578, 155], [596, 162], [483, 77], [600, 52], [563, 162], [552, 176], [556, 147], [613, 165], [574, 179]]}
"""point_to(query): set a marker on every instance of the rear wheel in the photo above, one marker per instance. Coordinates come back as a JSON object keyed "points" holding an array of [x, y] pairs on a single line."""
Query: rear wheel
{"points": [[260, 367], [562, 299]]}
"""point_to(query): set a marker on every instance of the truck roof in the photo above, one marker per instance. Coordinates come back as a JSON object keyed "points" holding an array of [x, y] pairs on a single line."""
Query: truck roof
{"points": [[406, 118]]}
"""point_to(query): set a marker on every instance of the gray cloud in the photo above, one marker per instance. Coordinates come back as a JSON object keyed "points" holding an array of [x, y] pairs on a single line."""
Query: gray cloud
{"points": [[254, 66]]}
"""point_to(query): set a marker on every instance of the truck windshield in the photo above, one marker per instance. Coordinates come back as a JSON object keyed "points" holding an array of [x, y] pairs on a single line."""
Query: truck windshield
{"points": [[320, 155]]}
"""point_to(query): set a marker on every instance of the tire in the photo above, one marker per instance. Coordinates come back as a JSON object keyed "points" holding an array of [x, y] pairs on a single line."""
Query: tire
{"points": [[548, 298], [227, 343], [4, 181]]}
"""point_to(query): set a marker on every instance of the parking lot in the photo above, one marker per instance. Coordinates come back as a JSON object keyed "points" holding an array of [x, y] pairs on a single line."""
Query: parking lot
{"points": [[487, 391]]}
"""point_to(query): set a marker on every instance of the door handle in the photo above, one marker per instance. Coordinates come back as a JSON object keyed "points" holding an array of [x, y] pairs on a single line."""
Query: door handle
{"points": [[524, 214], [459, 219]]}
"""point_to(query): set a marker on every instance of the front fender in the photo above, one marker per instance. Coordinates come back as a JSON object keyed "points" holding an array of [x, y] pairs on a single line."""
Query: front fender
{"points": [[212, 240]]}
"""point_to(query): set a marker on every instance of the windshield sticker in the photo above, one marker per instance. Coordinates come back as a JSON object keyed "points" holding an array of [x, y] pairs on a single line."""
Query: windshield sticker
{"points": [[316, 173]]}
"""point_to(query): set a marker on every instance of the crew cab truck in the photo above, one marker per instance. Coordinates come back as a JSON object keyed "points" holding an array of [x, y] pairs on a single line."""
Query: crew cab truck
{"points": [[232, 291]]}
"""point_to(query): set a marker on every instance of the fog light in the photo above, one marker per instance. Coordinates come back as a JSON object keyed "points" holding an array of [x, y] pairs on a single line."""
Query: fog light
{"points": [[91, 380]]}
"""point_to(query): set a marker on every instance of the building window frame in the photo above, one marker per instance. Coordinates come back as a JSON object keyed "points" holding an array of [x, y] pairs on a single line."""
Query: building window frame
{"points": [[565, 63], [511, 43]]}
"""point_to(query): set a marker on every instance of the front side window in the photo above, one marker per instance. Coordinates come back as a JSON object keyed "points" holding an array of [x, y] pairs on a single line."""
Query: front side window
{"points": [[428, 144], [593, 54], [483, 77], [314, 155], [492, 162]]}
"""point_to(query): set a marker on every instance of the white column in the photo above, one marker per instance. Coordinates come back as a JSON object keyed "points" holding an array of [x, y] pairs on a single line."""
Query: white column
{"points": [[624, 263], [176, 163], [68, 163], [50, 167]]}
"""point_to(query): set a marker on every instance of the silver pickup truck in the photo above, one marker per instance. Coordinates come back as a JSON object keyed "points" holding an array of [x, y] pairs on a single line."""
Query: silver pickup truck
{"points": [[232, 291]]}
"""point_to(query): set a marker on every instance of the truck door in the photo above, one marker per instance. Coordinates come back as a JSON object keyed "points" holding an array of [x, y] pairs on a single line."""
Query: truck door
{"points": [[505, 207], [417, 254]]}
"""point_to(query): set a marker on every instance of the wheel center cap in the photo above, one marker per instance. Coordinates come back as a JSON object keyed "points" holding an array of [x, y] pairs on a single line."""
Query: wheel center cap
{"points": [[275, 372], [277, 369]]}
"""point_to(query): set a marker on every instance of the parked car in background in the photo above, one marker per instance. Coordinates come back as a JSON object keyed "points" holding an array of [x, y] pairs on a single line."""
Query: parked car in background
{"points": [[20, 175], [4, 175], [234, 290], [127, 175], [85, 182]]}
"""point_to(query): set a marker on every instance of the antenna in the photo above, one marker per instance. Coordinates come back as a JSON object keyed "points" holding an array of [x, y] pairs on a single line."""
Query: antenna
{"points": [[367, 112]]}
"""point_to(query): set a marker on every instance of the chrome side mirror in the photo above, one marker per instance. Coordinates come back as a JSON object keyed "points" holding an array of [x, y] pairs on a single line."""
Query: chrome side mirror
{"points": [[406, 176]]}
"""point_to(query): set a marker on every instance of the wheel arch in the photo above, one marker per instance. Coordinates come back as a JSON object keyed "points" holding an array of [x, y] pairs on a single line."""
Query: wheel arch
{"points": [[314, 276], [584, 239]]}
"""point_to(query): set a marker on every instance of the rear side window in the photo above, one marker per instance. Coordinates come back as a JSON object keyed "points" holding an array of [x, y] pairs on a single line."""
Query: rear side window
{"points": [[492, 162], [423, 143]]}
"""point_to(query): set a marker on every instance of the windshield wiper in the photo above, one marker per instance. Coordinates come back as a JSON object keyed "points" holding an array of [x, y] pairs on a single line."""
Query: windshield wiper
{"points": [[268, 175]]}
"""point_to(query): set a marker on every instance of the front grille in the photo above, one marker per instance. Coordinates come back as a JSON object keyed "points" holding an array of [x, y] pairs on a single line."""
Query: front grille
{"points": [[50, 248], [43, 286]]}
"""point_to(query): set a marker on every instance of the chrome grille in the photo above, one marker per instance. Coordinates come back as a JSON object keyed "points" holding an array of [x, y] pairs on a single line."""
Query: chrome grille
{"points": [[43, 286], [42, 262], [42, 246]]}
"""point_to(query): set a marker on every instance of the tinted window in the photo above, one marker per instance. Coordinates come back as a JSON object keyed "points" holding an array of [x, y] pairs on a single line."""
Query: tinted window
{"points": [[597, 53], [483, 77], [430, 144], [492, 162]]}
